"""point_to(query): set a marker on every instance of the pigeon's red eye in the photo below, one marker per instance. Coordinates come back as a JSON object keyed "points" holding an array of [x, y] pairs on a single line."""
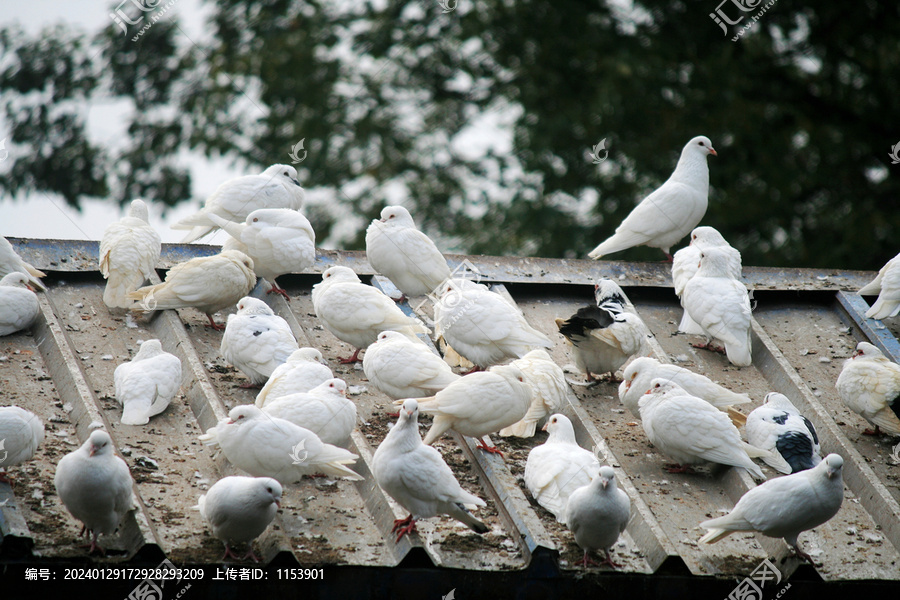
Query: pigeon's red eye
{"points": [[255, 219]]}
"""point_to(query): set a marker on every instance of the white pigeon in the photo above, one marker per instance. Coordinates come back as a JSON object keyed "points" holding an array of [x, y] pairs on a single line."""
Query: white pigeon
{"points": [[777, 426], [21, 432], [786, 506], [95, 486], [672, 210], [19, 306], [256, 340], [606, 335], [597, 514], [11, 262], [266, 446], [686, 263], [478, 404], [720, 305], [129, 251], [416, 476], [887, 285], [399, 251], [238, 509], [558, 467], [279, 240], [548, 391], [276, 187], [869, 384], [405, 368], [356, 313], [643, 370], [207, 283], [303, 370], [146, 385], [692, 431], [324, 410], [482, 326]]}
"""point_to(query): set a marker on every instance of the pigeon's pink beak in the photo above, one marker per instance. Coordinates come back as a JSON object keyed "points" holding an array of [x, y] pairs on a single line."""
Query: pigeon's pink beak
{"points": [[544, 428], [628, 384], [29, 286], [648, 391], [278, 504], [93, 450], [604, 482], [229, 422], [713, 151]]}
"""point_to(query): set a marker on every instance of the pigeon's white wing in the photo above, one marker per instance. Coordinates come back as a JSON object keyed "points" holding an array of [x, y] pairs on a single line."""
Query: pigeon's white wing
{"points": [[129, 251], [702, 432], [260, 342], [888, 302], [685, 264], [425, 477], [360, 307]]}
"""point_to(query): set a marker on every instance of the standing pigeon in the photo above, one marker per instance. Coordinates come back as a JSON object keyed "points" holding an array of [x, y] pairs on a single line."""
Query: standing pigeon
{"points": [[11, 262], [256, 340], [356, 313], [324, 410], [21, 432], [672, 210], [887, 286], [129, 252], [19, 306], [208, 283], [95, 486], [416, 476], [777, 426], [597, 514], [405, 368], [266, 446], [548, 391], [279, 240], [604, 336], [482, 326], [720, 306], [644, 369], [276, 187], [304, 369], [403, 254], [786, 506], [238, 509], [558, 467], [869, 384], [478, 404], [146, 385], [692, 431]]}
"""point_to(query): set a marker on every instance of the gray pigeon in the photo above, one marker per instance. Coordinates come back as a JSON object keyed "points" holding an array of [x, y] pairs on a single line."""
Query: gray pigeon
{"points": [[238, 509], [597, 514]]}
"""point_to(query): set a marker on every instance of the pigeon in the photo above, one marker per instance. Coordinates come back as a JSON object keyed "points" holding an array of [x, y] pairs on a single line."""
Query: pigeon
{"points": [[777, 426], [403, 254], [324, 410], [786, 506], [208, 283], [279, 240], [869, 384], [482, 326], [266, 446], [129, 252], [256, 340], [478, 404], [304, 369], [558, 467], [644, 369], [405, 368], [238, 509], [11, 262], [720, 305], [21, 432], [597, 514], [416, 476], [548, 391], [356, 313], [146, 385], [686, 263], [19, 306], [692, 431], [276, 187], [95, 486], [887, 286], [672, 210], [606, 335]]}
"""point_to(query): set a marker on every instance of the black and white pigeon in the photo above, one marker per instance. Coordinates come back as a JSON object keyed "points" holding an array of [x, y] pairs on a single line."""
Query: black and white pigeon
{"points": [[777, 426]]}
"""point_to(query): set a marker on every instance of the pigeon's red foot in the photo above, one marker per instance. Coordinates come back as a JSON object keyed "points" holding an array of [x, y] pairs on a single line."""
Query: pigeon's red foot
{"points": [[676, 468], [609, 561], [587, 561], [401, 299], [875, 431], [404, 526], [803, 555], [474, 369], [214, 325], [709, 346], [353, 359], [669, 258], [489, 449], [250, 386], [394, 415], [281, 291]]}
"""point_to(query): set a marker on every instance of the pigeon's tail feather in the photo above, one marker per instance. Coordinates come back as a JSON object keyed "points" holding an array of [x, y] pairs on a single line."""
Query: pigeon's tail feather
{"points": [[755, 452], [714, 535], [196, 233], [689, 325], [524, 429], [883, 309], [34, 277], [620, 240], [438, 427], [459, 512], [115, 295], [887, 419], [872, 288], [136, 412], [339, 470], [210, 438], [739, 354]]}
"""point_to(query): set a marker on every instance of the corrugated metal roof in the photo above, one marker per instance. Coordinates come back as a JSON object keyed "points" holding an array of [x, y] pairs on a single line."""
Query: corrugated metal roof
{"points": [[805, 324]]}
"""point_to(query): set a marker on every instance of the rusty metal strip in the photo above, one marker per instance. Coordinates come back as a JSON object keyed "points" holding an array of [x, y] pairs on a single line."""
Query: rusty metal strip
{"points": [[854, 308]]}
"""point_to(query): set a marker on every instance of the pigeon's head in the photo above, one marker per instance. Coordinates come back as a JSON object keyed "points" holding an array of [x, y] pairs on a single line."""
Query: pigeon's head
{"points": [[340, 273], [306, 355], [269, 491], [509, 372], [867, 350], [338, 386], [409, 411], [262, 218], [607, 290], [700, 145], [606, 477], [397, 216], [285, 173], [707, 236], [664, 387], [636, 368], [538, 354], [779, 402], [149, 348], [390, 336], [243, 413], [248, 305], [138, 210], [559, 427], [714, 262], [16, 279], [99, 443], [239, 257], [833, 464]]}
